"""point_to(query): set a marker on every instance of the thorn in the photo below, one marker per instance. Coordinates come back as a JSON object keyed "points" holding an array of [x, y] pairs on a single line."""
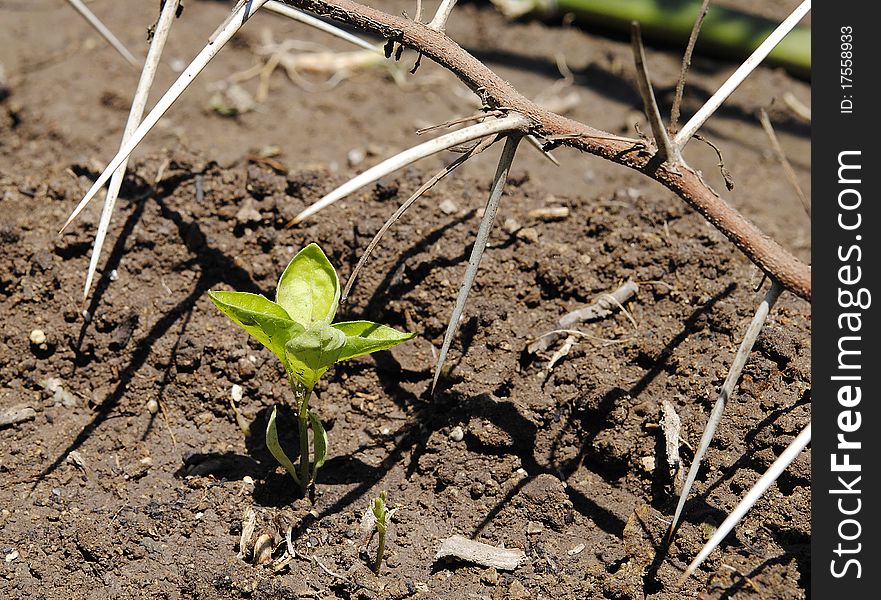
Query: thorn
{"points": [[483, 145], [233, 24], [770, 476], [489, 215], [746, 346], [139, 102], [512, 122], [742, 72], [666, 149], [101, 28]]}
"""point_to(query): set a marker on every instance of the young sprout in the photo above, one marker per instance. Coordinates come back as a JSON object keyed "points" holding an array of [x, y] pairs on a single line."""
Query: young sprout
{"points": [[380, 514], [298, 329]]}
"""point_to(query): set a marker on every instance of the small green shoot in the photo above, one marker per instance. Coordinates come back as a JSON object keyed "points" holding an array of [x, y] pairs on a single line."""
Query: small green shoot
{"points": [[380, 514], [298, 329]]}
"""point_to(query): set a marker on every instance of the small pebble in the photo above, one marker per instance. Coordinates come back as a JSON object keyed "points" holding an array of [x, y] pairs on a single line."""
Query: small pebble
{"points": [[114, 275], [528, 234], [237, 392], [448, 207], [457, 434], [533, 527], [152, 406], [356, 156], [511, 226], [38, 337], [576, 550], [648, 463]]}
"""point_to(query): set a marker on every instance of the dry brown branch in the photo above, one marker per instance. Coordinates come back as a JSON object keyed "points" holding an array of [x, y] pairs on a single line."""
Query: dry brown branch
{"points": [[793, 274]]}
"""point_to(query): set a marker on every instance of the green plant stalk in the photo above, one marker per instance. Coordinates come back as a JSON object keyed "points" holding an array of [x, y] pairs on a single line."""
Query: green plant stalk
{"points": [[725, 31], [380, 550], [304, 445]]}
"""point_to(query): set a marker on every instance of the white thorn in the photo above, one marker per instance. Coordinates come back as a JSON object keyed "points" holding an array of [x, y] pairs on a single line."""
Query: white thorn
{"points": [[695, 123], [746, 346], [439, 22], [401, 160], [163, 26], [242, 13], [489, 215], [293, 13], [533, 141], [761, 486], [101, 28]]}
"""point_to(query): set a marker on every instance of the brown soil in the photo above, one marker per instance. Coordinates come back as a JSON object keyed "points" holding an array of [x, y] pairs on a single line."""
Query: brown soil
{"points": [[102, 499]]}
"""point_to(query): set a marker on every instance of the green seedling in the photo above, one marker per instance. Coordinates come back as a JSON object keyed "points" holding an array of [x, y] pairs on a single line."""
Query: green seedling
{"points": [[380, 514], [298, 329]]}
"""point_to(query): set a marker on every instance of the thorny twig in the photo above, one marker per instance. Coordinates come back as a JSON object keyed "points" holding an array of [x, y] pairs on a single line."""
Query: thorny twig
{"points": [[766, 253]]}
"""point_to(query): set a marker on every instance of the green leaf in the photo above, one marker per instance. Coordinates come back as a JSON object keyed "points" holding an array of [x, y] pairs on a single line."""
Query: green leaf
{"points": [[309, 289], [319, 443], [313, 352], [264, 319], [275, 447], [364, 337]]}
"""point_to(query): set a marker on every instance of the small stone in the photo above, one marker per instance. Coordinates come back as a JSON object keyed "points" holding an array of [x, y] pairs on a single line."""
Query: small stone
{"points": [[248, 214], [648, 463], [11, 555], [152, 406], [576, 550], [490, 576], [511, 226], [457, 434], [534, 527], [517, 591], [237, 392], [38, 337], [528, 234], [356, 156], [448, 207]]}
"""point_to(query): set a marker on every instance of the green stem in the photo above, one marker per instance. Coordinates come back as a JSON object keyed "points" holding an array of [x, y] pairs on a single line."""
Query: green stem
{"points": [[380, 550], [726, 31], [302, 394]]}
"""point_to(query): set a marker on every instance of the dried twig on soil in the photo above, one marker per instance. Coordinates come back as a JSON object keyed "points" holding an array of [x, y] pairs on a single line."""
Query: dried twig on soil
{"points": [[493, 90], [768, 478], [101, 28], [604, 306], [486, 223], [671, 426], [767, 254], [749, 339], [504, 559]]}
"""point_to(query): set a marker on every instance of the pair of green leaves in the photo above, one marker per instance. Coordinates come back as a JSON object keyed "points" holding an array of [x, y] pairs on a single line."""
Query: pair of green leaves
{"points": [[298, 326]]}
